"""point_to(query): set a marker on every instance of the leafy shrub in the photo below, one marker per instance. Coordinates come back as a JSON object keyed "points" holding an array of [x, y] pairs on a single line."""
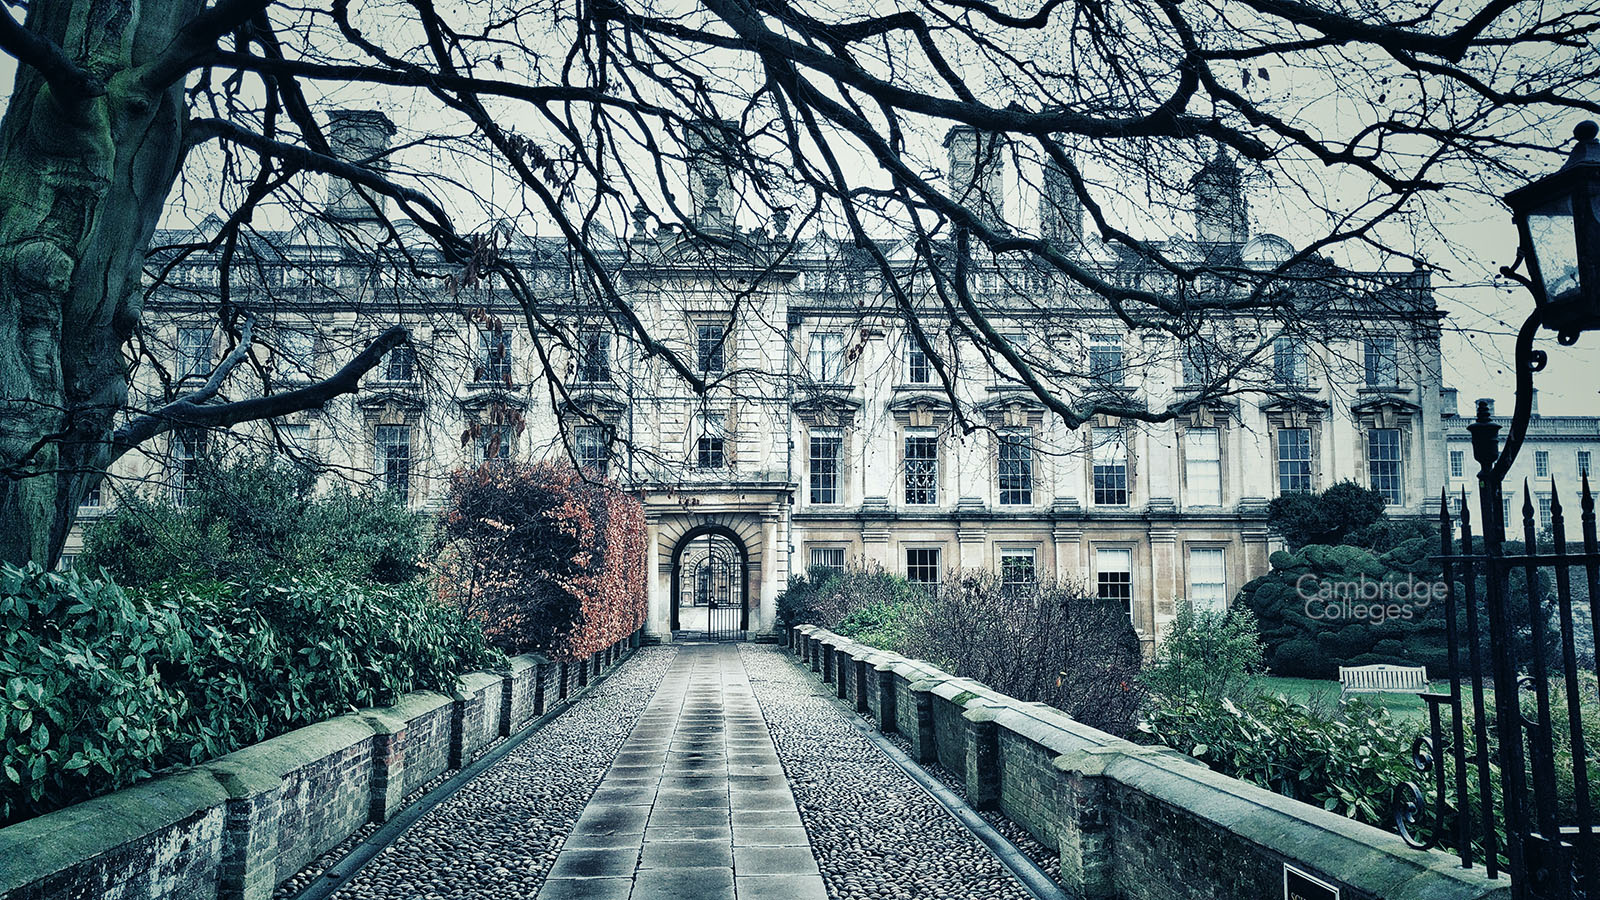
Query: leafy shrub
{"points": [[250, 519], [828, 596], [881, 624], [1350, 761], [544, 559], [1206, 656], [1326, 518], [103, 688]]}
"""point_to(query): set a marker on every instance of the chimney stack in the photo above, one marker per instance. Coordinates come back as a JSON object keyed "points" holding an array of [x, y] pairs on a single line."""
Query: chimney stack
{"points": [[361, 137], [1536, 403], [977, 169], [1221, 214], [1488, 402], [1060, 210], [1447, 401], [711, 195]]}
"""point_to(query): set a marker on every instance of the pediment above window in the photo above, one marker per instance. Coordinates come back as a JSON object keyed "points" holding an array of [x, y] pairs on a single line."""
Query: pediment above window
{"points": [[826, 409], [593, 406], [1013, 412], [1209, 414], [921, 410], [390, 406], [1385, 412], [1294, 412]]}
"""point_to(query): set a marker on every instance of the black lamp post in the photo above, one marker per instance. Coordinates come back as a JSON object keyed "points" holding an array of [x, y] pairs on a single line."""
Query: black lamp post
{"points": [[1558, 220]]}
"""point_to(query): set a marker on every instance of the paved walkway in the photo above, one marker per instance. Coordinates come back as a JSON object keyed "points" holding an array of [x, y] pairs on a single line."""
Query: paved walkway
{"points": [[695, 805]]}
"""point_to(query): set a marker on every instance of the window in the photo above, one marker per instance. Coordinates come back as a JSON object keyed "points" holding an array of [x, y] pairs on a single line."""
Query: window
{"points": [[711, 445], [494, 443], [1202, 472], [92, 500], [1546, 512], [1456, 506], [918, 369], [922, 566], [1294, 460], [1458, 463], [824, 464], [494, 357], [1382, 363], [590, 446], [1114, 577], [594, 355], [194, 352], [1383, 463], [1196, 362], [1111, 470], [1208, 580], [922, 469], [297, 437], [1541, 464], [1288, 362], [825, 360], [400, 364], [188, 445], [1505, 516], [1583, 463], [392, 459], [709, 341], [1017, 572], [827, 559], [1015, 468], [298, 349], [1105, 359]]}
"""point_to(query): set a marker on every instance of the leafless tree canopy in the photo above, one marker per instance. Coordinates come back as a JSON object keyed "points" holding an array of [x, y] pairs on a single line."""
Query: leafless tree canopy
{"points": [[1086, 135]]}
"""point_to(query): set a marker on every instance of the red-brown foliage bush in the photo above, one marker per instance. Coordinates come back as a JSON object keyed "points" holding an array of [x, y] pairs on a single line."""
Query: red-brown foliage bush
{"points": [[545, 560]]}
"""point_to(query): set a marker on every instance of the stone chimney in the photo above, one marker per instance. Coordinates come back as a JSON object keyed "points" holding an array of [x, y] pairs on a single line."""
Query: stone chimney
{"points": [[1221, 214], [359, 136], [1447, 401], [977, 170], [1487, 402], [712, 199], [1060, 210], [1535, 412]]}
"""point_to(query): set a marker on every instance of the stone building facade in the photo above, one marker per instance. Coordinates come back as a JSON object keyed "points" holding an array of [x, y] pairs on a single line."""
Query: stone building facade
{"points": [[1557, 453], [829, 434]]}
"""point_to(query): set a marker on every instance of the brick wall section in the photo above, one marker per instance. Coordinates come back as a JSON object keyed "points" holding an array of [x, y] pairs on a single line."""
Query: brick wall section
{"points": [[1141, 823], [522, 689], [84, 852], [233, 828]]}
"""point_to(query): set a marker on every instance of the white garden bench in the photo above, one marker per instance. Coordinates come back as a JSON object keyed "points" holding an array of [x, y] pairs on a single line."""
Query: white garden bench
{"points": [[1382, 679]]}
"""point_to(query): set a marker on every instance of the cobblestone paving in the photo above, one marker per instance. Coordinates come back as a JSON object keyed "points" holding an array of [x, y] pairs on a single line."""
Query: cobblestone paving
{"points": [[875, 833], [497, 838]]}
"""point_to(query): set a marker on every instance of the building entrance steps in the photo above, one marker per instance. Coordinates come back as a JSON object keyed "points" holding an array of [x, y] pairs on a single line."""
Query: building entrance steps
{"points": [[695, 805]]}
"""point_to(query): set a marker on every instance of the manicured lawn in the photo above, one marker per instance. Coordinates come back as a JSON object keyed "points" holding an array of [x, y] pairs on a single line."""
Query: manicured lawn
{"points": [[1326, 693]]}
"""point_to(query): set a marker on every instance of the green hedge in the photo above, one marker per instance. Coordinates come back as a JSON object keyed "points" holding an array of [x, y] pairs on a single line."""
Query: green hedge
{"points": [[103, 688]]}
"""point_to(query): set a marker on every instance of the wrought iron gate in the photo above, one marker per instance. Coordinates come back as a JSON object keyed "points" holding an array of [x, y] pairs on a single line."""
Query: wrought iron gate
{"points": [[1505, 771], [711, 590]]}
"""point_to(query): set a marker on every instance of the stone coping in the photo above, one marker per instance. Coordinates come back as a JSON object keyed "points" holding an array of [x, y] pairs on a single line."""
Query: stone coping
{"points": [[1371, 862]]}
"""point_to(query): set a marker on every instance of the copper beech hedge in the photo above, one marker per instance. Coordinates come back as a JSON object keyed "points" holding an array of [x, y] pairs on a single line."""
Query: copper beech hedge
{"points": [[546, 559]]}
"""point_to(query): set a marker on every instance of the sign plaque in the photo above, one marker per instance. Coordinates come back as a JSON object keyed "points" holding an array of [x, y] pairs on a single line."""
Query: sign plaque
{"points": [[1298, 885]]}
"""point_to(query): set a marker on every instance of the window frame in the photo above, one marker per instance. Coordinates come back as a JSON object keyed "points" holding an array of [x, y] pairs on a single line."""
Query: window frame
{"points": [[1309, 474], [1115, 482], [1541, 463], [825, 364], [919, 366], [591, 448], [711, 354], [1008, 582], [924, 566], [1458, 463], [1114, 584], [494, 362], [1017, 444], [1220, 603], [1212, 495], [593, 356], [830, 493], [384, 460], [923, 482], [1376, 480], [1100, 346], [1378, 362]]}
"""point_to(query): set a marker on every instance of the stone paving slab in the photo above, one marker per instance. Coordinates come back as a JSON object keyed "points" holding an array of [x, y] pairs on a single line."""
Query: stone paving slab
{"points": [[695, 805]]}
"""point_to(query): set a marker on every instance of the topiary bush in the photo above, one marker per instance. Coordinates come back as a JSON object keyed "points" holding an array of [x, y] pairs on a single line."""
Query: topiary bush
{"points": [[544, 559], [105, 687]]}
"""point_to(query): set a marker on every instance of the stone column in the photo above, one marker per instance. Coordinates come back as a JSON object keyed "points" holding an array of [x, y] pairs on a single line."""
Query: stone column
{"points": [[658, 617], [982, 758], [1165, 585], [774, 575], [970, 545]]}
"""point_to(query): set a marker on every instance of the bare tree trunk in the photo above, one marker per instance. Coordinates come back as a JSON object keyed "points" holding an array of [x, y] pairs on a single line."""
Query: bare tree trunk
{"points": [[88, 154]]}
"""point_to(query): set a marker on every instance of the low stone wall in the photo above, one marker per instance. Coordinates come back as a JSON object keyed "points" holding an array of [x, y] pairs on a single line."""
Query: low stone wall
{"points": [[235, 827], [1130, 822]]}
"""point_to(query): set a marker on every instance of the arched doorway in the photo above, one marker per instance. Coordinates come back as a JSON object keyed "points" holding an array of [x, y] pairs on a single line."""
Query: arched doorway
{"points": [[710, 586]]}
